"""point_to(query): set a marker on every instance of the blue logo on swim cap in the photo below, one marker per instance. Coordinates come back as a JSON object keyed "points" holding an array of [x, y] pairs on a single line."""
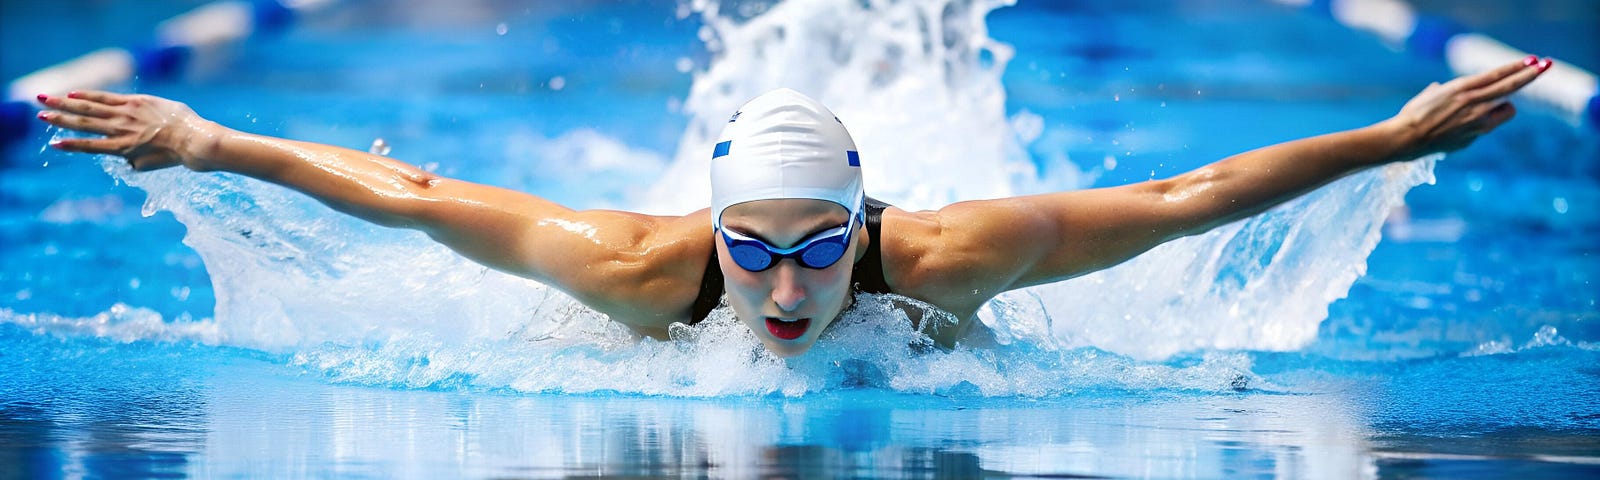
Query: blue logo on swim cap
{"points": [[734, 117], [853, 157], [721, 150]]}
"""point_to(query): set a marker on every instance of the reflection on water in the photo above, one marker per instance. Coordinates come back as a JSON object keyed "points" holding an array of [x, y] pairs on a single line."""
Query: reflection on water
{"points": [[151, 412], [134, 416], [83, 408]]}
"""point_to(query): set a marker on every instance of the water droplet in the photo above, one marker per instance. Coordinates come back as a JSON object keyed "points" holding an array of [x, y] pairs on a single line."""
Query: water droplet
{"points": [[685, 65], [379, 147], [500, 29], [1560, 204], [558, 83]]}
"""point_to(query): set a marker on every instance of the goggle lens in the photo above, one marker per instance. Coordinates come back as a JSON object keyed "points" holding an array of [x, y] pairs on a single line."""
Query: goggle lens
{"points": [[817, 253], [821, 255], [750, 257]]}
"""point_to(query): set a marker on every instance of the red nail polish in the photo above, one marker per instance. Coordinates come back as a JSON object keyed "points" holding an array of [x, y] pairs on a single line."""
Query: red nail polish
{"points": [[74, 94], [42, 97], [44, 115], [1545, 65], [1532, 59]]}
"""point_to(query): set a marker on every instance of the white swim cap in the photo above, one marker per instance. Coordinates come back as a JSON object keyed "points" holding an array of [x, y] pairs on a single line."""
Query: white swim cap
{"points": [[783, 144]]}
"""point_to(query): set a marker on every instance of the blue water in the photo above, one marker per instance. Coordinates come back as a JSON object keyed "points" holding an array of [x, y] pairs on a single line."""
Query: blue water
{"points": [[1467, 347]]}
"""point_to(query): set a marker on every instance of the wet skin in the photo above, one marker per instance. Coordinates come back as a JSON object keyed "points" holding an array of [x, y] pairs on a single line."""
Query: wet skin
{"points": [[645, 271]]}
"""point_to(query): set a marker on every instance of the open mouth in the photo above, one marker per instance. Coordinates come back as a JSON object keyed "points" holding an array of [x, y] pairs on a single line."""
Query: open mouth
{"points": [[788, 329]]}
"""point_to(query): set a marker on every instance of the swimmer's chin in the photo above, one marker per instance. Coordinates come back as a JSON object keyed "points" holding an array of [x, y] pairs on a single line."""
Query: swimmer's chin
{"points": [[787, 349]]}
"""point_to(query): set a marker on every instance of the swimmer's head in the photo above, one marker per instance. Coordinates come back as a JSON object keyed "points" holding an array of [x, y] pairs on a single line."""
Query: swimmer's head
{"points": [[783, 144], [786, 202]]}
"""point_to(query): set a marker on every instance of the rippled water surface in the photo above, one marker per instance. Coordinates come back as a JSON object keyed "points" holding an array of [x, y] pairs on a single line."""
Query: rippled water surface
{"points": [[174, 323]]}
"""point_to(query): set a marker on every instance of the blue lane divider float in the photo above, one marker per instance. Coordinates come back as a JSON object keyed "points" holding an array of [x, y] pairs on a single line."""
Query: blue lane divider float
{"points": [[1573, 91], [179, 42]]}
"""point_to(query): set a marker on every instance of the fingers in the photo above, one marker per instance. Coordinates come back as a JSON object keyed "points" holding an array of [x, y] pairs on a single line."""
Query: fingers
{"points": [[1480, 80], [91, 145], [77, 122], [1508, 84], [81, 111], [1498, 115], [107, 98], [78, 106]]}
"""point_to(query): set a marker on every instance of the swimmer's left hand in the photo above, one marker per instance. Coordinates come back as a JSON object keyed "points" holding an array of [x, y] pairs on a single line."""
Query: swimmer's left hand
{"points": [[1449, 116], [152, 133]]}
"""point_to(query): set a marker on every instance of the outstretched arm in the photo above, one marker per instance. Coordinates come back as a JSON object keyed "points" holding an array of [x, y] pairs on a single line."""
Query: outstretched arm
{"points": [[581, 252], [1058, 236]]}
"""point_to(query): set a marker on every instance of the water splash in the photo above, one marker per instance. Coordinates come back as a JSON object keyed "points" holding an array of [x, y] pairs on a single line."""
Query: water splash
{"points": [[872, 346], [1547, 336], [1264, 283], [918, 83], [379, 147], [120, 323]]}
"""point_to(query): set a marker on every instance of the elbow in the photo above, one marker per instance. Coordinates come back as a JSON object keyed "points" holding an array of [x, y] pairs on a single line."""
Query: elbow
{"points": [[422, 179], [1190, 187], [1188, 205]]}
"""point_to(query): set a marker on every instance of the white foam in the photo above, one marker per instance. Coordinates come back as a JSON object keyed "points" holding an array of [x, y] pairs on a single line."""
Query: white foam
{"points": [[911, 82], [873, 346], [120, 323], [918, 83], [1546, 336], [1264, 283]]}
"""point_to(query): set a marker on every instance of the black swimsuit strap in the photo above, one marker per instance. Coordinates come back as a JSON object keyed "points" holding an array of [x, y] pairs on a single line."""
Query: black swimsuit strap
{"points": [[867, 273], [710, 291]]}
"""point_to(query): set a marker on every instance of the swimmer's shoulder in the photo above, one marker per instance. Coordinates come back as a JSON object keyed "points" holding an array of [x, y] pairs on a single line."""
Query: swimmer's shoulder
{"points": [[658, 280], [934, 256], [915, 262]]}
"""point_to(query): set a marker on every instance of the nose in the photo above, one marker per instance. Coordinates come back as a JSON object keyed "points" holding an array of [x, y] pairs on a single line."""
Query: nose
{"points": [[787, 292]]}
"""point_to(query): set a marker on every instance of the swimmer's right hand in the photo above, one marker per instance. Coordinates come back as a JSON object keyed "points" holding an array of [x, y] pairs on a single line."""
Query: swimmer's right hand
{"points": [[152, 133]]}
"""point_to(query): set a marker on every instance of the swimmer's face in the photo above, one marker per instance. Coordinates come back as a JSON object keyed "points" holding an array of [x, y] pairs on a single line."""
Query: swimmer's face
{"points": [[787, 298]]}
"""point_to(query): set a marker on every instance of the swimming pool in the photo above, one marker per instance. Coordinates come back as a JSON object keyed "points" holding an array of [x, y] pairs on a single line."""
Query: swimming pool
{"points": [[285, 341]]}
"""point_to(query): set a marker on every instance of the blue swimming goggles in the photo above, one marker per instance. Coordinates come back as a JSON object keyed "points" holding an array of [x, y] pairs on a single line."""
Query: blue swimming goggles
{"points": [[816, 252]]}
